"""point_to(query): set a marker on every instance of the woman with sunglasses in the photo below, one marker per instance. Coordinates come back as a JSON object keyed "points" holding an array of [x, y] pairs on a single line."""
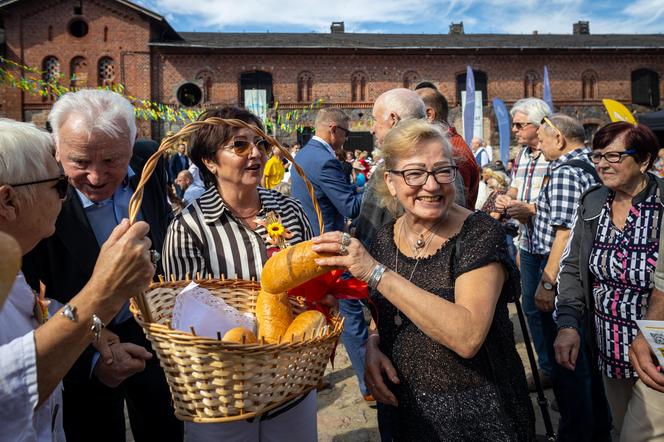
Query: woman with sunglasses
{"points": [[221, 233], [39, 340], [606, 274], [443, 356]]}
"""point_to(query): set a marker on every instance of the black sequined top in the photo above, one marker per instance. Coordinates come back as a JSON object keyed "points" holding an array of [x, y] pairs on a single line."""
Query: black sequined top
{"points": [[442, 396]]}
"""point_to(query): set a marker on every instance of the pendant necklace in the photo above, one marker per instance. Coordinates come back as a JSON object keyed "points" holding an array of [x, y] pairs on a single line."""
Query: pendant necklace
{"points": [[417, 250]]}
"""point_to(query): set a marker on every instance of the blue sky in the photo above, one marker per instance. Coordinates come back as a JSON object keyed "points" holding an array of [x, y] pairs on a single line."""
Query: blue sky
{"points": [[412, 16]]}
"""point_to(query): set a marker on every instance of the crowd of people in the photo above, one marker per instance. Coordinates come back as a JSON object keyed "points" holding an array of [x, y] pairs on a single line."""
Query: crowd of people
{"points": [[444, 236]]}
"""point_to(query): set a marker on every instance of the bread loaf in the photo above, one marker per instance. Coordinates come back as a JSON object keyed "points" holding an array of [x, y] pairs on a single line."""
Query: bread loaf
{"points": [[240, 335], [306, 325], [291, 267], [273, 313], [10, 263]]}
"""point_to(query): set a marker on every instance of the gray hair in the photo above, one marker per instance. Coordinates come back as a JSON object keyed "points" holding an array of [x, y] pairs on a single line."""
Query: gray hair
{"points": [[331, 115], [406, 104], [101, 110], [570, 127], [534, 108], [25, 154]]}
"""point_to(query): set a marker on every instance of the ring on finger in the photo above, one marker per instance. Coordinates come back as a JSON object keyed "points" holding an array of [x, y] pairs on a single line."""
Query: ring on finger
{"points": [[343, 250], [154, 256], [345, 239]]}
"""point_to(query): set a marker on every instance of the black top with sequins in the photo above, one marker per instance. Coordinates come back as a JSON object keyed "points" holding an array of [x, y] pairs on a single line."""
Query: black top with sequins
{"points": [[442, 396]]}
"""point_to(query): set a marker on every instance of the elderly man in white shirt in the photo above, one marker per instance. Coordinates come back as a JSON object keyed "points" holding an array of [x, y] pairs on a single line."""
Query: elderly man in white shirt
{"points": [[35, 351]]}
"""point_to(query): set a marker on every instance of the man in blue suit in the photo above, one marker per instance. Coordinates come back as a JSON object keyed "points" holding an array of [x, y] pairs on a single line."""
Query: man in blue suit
{"points": [[338, 201]]}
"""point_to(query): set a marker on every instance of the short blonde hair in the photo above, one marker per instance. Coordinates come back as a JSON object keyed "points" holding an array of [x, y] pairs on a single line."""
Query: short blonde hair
{"points": [[400, 142]]}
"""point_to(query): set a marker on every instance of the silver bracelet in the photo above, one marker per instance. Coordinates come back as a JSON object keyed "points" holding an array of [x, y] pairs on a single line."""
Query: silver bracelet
{"points": [[97, 327], [376, 275]]}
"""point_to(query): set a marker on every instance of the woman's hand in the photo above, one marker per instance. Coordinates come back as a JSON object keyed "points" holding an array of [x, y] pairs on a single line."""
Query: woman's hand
{"points": [[376, 363], [567, 346], [643, 361], [351, 254]]}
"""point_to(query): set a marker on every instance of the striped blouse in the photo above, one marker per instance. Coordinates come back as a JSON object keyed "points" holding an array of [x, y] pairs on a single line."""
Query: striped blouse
{"points": [[205, 237]]}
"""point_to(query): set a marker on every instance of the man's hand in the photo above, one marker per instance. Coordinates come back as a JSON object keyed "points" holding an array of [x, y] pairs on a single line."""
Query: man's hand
{"points": [[502, 202], [644, 363], [520, 210], [376, 363], [127, 359], [566, 346], [544, 299]]}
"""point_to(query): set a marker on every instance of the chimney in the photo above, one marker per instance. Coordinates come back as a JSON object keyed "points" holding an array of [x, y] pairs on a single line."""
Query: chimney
{"points": [[535, 32], [581, 28], [337, 27], [456, 29]]}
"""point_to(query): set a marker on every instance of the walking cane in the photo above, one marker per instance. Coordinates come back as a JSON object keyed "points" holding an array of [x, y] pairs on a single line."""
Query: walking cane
{"points": [[541, 399]]}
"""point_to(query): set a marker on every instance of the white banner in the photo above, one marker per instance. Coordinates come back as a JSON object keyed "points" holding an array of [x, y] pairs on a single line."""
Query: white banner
{"points": [[255, 100], [478, 127]]}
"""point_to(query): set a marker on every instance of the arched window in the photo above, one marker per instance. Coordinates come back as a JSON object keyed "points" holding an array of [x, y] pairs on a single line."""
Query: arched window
{"points": [[530, 84], [257, 80], [480, 85], [411, 79], [51, 68], [305, 85], [358, 85], [588, 85], [106, 71], [645, 87], [206, 79], [79, 72]]}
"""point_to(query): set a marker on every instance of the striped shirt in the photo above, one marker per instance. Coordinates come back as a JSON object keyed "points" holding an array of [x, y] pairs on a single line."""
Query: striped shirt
{"points": [[528, 176], [623, 263], [205, 237]]}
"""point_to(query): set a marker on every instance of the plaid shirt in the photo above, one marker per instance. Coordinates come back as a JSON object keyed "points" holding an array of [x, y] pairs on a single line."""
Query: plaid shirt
{"points": [[527, 177], [559, 198]]}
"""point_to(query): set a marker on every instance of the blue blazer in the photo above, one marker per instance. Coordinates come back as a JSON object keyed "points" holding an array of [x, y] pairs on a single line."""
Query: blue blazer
{"points": [[337, 199]]}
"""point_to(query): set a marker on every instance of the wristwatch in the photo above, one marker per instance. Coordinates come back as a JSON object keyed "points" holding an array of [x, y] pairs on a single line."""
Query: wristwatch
{"points": [[548, 286]]}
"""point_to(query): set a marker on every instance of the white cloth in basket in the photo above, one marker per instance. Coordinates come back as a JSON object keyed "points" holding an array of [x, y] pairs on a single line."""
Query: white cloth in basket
{"points": [[196, 307]]}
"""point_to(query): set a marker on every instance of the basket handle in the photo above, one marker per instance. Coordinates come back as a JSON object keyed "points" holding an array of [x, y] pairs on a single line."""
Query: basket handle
{"points": [[189, 129]]}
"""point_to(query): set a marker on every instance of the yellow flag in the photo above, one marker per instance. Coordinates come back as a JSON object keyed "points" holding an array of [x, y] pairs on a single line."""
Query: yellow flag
{"points": [[618, 112]]}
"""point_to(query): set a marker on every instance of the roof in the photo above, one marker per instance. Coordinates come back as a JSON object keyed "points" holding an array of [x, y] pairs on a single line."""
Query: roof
{"points": [[268, 40], [168, 30]]}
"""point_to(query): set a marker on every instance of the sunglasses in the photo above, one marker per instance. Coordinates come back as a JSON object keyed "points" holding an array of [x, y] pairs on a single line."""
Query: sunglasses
{"points": [[345, 131], [243, 148], [61, 185], [520, 126], [547, 122]]}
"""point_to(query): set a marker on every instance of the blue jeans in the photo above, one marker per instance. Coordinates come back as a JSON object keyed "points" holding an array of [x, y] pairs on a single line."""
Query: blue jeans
{"points": [[532, 266], [354, 337], [584, 410]]}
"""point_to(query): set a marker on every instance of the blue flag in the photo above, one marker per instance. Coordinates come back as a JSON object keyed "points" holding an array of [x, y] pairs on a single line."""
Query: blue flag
{"points": [[469, 110], [547, 89], [503, 119]]}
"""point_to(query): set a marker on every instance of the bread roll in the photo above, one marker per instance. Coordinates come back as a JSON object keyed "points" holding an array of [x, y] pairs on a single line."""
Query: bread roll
{"points": [[236, 335], [291, 267], [273, 313], [10, 263], [306, 325]]}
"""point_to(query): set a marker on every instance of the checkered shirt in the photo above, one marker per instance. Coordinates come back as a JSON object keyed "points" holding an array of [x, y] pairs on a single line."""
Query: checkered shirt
{"points": [[623, 263], [559, 198], [527, 177]]}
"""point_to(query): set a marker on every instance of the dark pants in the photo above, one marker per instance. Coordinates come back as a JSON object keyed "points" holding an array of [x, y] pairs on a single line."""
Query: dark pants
{"points": [[386, 417], [584, 410], [93, 411]]}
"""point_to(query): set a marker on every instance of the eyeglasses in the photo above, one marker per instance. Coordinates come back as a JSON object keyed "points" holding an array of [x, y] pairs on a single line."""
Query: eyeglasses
{"points": [[345, 131], [243, 147], [419, 177], [547, 122], [520, 126], [61, 186], [610, 157]]}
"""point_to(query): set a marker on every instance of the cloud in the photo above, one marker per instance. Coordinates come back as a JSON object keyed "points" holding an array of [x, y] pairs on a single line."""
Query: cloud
{"points": [[413, 16]]}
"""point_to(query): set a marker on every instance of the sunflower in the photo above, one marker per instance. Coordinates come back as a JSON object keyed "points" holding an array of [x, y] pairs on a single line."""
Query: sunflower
{"points": [[275, 229]]}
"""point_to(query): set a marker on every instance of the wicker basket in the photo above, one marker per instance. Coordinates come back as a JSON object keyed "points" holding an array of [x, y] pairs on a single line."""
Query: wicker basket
{"points": [[213, 381]]}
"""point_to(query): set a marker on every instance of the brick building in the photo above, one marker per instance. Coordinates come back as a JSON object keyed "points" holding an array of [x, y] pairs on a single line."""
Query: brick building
{"points": [[100, 42]]}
